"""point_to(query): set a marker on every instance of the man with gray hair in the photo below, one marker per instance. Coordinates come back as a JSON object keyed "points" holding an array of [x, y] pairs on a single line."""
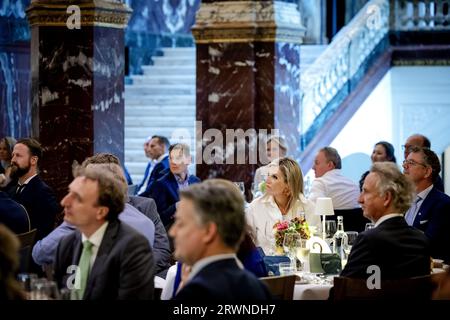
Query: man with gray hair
{"points": [[400, 251], [331, 183], [209, 226]]}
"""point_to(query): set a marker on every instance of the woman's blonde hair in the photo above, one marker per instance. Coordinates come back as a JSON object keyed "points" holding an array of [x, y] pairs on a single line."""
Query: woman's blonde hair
{"points": [[293, 177]]}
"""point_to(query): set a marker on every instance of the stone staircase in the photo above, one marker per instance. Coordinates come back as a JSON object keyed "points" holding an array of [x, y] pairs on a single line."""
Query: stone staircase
{"points": [[162, 100]]}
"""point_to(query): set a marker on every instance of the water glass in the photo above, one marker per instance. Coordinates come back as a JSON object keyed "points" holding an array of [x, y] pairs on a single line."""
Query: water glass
{"points": [[287, 268], [330, 228]]}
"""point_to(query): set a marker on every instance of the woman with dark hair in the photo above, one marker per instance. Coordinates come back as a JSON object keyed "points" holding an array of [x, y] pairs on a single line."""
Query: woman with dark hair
{"points": [[382, 151], [9, 262], [6, 148]]}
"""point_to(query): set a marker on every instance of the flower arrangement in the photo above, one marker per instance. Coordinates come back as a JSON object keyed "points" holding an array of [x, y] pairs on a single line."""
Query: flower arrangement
{"points": [[298, 224]]}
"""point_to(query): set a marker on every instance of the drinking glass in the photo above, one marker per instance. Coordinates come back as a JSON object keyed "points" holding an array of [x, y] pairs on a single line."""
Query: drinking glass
{"points": [[42, 289], [351, 238], [302, 251], [25, 280], [369, 225], [286, 268], [330, 228], [290, 244]]}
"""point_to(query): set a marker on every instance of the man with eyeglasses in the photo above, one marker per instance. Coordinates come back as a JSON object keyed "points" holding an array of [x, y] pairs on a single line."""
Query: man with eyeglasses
{"points": [[430, 210], [419, 140]]}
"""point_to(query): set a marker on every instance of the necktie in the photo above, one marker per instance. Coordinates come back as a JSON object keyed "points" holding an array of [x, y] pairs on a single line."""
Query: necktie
{"points": [[20, 188], [84, 266], [412, 212]]}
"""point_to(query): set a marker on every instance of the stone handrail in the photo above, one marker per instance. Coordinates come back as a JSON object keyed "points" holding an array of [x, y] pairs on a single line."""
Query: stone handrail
{"points": [[415, 15], [341, 60]]}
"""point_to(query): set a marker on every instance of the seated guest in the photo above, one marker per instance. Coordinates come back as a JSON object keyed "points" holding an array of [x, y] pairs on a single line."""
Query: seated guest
{"points": [[6, 148], [331, 183], [165, 190], [419, 140], [161, 248], [400, 251], [283, 200], [430, 210], [382, 151], [45, 249], [13, 215], [209, 225], [276, 148], [29, 190], [114, 261], [156, 149], [9, 263]]}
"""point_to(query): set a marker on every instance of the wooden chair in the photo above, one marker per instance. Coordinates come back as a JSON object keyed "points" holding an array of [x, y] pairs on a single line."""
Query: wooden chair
{"points": [[417, 288], [26, 246], [281, 287]]}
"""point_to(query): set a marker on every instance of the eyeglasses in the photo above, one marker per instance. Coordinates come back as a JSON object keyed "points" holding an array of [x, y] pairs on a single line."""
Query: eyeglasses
{"points": [[406, 147], [413, 163]]}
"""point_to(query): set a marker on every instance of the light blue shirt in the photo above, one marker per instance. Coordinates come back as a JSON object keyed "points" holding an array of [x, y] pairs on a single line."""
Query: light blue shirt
{"points": [[44, 250]]}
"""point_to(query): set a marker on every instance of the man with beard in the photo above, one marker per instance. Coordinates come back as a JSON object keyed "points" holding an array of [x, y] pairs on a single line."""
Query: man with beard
{"points": [[29, 189]]}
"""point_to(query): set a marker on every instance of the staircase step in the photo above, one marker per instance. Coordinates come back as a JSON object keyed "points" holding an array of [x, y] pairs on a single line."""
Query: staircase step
{"points": [[180, 60], [137, 111], [149, 121], [152, 89], [164, 79], [133, 100], [174, 52], [172, 70]]}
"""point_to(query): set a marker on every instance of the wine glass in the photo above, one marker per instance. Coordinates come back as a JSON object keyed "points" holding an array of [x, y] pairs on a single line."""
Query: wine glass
{"points": [[351, 238], [290, 243]]}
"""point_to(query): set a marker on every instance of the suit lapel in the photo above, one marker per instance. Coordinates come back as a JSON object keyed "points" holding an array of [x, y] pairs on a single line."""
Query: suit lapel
{"points": [[424, 210], [102, 255]]}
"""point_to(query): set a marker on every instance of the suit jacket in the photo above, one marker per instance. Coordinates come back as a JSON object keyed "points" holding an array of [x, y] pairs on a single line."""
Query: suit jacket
{"points": [[123, 268], [433, 218], [40, 203], [165, 193], [400, 251], [161, 248], [223, 280], [13, 215], [157, 172]]}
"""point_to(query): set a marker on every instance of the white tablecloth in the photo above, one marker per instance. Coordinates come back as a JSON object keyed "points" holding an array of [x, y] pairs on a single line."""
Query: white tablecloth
{"points": [[311, 291]]}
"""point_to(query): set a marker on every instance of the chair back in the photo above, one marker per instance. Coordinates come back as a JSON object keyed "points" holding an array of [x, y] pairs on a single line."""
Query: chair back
{"points": [[26, 246], [417, 288], [281, 287]]}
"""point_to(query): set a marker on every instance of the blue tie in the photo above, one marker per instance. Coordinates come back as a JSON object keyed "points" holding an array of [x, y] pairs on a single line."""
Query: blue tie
{"points": [[412, 212]]}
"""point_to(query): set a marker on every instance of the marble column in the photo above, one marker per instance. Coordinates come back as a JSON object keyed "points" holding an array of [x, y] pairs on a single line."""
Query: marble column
{"points": [[248, 77], [77, 77]]}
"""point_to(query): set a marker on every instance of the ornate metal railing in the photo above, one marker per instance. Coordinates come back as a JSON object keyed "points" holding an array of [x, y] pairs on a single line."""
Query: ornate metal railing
{"points": [[420, 15], [332, 70]]}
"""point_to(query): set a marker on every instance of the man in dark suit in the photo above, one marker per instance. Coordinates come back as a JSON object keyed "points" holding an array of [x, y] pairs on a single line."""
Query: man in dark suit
{"points": [[430, 211], [156, 149], [209, 226], [165, 190], [400, 251], [13, 215], [29, 190], [147, 206], [105, 259]]}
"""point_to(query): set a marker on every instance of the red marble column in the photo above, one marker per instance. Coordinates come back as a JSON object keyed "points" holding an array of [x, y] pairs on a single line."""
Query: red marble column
{"points": [[248, 77], [77, 80]]}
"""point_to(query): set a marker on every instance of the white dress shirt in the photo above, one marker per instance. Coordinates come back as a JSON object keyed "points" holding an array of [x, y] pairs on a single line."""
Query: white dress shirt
{"points": [[263, 213], [342, 190], [96, 239]]}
